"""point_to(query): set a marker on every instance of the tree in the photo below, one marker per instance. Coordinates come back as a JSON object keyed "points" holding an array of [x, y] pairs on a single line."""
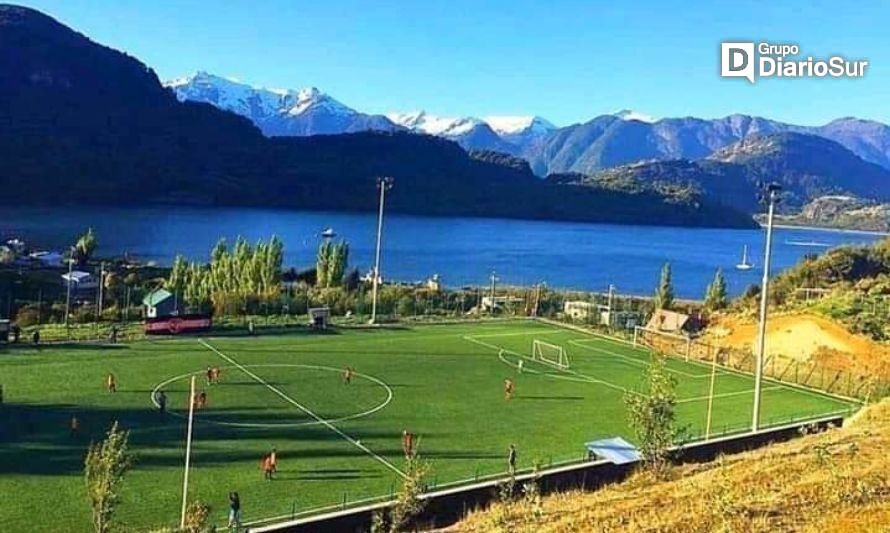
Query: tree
{"points": [[176, 282], [323, 264], [197, 516], [664, 294], [85, 247], [408, 504], [331, 263], [104, 468], [715, 296], [652, 415]]}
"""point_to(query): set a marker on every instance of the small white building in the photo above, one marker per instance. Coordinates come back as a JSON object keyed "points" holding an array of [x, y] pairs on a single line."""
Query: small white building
{"points": [[80, 281], [579, 309], [434, 283], [499, 302], [47, 258]]}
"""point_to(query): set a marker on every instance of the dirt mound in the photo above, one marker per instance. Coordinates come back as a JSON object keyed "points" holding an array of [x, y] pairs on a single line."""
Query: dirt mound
{"points": [[799, 336], [832, 482]]}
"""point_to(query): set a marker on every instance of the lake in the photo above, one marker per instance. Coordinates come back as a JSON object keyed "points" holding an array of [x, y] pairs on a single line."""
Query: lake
{"points": [[464, 251]]}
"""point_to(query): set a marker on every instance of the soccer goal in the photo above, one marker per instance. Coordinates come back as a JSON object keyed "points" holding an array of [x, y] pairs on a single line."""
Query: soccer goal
{"points": [[662, 341], [551, 354]]}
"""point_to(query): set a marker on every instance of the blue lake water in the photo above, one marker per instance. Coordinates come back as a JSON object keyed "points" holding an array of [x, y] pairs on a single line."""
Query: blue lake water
{"points": [[464, 251]]}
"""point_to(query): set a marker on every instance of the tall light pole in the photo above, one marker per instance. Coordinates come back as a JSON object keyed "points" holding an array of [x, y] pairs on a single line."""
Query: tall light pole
{"points": [[494, 280], [68, 295], [771, 196], [384, 184]]}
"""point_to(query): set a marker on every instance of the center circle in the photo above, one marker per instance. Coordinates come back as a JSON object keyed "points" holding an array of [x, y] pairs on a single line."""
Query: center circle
{"points": [[317, 388]]}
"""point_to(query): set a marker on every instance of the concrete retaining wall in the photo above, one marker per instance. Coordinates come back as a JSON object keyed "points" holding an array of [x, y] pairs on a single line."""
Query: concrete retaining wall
{"points": [[447, 506]]}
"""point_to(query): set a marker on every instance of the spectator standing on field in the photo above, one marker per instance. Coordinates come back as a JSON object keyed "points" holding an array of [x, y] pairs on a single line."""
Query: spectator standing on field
{"points": [[234, 511]]}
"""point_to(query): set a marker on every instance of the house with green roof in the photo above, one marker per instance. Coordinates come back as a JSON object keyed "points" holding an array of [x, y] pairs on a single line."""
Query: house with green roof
{"points": [[159, 303]]}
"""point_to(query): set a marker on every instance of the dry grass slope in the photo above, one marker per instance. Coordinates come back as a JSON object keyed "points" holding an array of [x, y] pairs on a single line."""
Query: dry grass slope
{"points": [[837, 481]]}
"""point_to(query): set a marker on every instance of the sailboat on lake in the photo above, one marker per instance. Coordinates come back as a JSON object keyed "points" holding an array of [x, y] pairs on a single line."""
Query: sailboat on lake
{"points": [[745, 264]]}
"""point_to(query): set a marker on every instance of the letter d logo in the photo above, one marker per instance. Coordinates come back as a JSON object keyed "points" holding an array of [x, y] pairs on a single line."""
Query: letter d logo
{"points": [[737, 60]]}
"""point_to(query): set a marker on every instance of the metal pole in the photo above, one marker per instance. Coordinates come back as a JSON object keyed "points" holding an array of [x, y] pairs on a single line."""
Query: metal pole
{"points": [[188, 454], [68, 298], [382, 184], [711, 396], [493, 280], [761, 332], [101, 289]]}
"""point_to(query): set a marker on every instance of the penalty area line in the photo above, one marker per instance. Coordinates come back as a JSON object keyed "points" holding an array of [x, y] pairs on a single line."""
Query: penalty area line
{"points": [[306, 410]]}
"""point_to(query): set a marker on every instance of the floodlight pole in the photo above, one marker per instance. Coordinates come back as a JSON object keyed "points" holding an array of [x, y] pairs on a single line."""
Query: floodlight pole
{"points": [[68, 297], [772, 197], [494, 280], [383, 184], [711, 395], [188, 454]]}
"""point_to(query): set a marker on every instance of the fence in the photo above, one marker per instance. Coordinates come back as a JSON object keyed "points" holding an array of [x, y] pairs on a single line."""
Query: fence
{"points": [[449, 504], [863, 385]]}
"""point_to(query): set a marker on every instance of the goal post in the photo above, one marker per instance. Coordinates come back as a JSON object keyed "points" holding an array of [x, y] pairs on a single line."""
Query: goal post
{"points": [[551, 354], [662, 341]]}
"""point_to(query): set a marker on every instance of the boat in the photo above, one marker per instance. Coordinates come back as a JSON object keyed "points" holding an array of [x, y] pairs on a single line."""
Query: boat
{"points": [[814, 244], [328, 233], [744, 265]]}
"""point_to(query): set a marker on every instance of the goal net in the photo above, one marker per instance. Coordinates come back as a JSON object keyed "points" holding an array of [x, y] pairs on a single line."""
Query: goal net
{"points": [[663, 342], [551, 354]]}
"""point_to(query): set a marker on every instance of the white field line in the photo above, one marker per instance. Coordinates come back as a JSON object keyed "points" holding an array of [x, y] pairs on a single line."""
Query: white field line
{"points": [[795, 387], [515, 334], [339, 342], [566, 370], [725, 395], [306, 410], [581, 343], [378, 407]]}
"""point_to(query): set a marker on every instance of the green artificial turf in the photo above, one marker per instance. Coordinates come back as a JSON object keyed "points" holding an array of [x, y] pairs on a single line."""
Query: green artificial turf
{"points": [[336, 443]]}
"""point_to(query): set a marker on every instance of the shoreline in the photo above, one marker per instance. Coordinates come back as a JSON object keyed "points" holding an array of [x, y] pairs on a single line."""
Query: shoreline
{"points": [[829, 229]]}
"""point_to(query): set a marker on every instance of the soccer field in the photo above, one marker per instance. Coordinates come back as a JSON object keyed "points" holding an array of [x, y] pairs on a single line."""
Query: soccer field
{"points": [[335, 442]]}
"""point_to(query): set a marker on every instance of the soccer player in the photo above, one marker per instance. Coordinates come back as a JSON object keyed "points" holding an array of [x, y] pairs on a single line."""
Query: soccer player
{"points": [[408, 441], [216, 374], [161, 400], [35, 337], [511, 460], [209, 374], [508, 389], [347, 375], [74, 427], [202, 400], [519, 365], [234, 511], [110, 383], [266, 465], [273, 460]]}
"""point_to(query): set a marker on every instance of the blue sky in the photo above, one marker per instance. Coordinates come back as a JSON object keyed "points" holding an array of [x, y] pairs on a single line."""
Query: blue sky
{"points": [[567, 61]]}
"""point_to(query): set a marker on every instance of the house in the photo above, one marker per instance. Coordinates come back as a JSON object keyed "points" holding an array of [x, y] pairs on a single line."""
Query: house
{"points": [[434, 283], [80, 281], [159, 303], [672, 322], [579, 309], [47, 258], [499, 302]]}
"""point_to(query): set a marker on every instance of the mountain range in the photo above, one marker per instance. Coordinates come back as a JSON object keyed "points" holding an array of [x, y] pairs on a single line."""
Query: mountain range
{"points": [[602, 142], [83, 124]]}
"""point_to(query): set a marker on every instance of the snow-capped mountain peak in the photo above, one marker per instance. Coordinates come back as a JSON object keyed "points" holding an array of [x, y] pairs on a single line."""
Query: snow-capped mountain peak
{"points": [[306, 111], [513, 125], [434, 125], [628, 114]]}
